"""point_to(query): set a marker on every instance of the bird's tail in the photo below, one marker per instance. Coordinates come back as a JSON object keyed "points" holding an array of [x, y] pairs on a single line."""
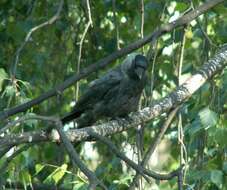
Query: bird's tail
{"points": [[70, 116]]}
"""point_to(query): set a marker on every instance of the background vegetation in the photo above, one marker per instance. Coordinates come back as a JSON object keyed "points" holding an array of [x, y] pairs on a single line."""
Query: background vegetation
{"points": [[75, 40]]}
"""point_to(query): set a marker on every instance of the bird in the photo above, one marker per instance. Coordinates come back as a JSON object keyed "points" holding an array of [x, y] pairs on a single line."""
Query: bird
{"points": [[113, 95]]}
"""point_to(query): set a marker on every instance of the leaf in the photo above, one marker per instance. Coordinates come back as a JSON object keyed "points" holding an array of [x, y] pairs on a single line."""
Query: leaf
{"points": [[208, 118], [193, 128], [197, 175], [57, 174], [80, 186], [225, 167], [38, 168], [25, 177], [60, 172], [220, 137], [9, 91], [123, 180], [181, 6], [216, 177], [3, 76]]}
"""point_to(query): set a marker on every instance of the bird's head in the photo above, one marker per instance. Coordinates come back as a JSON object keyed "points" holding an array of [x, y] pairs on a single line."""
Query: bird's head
{"points": [[139, 66]]}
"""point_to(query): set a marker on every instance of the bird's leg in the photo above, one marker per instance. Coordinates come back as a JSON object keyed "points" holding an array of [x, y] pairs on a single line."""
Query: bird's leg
{"points": [[128, 118], [121, 119], [118, 119], [86, 119]]}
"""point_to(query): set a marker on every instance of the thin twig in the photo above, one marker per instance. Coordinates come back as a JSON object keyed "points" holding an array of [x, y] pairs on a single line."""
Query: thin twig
{"points": [[132, 164], [28, 36], [89, 12], [10, 158], [152, 69], [180, 127], [25, 118], [72, 153], [153, 48], [81, 45], [140, 128], [142, 21], [151, 149], [93, 180], [201, 28], [79, 56], [115, 150], [116, 24], [139, 146]]}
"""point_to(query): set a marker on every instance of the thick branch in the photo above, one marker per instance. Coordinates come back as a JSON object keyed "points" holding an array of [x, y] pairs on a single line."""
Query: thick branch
{"points": [[109, 59], [182, 93]]}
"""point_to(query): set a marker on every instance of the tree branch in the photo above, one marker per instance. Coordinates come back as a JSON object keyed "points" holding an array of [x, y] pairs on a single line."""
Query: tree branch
{"points": [[154, 145], [181, 94], [109, 59], [10, 158], [93, 180], [142, 171]]}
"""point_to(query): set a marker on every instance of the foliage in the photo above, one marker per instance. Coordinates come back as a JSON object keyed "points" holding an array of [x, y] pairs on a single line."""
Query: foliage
{"points": [[51, 55]]}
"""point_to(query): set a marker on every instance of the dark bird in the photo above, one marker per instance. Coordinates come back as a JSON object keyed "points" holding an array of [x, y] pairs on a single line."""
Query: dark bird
{"points": [[115, 94]]}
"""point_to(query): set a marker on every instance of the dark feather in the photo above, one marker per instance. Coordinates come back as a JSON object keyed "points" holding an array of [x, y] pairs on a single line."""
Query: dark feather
{"points": [[115, 94]]}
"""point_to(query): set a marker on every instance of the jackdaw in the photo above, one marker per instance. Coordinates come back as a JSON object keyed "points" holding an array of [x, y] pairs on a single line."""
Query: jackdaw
{"points": [[115, 94]]}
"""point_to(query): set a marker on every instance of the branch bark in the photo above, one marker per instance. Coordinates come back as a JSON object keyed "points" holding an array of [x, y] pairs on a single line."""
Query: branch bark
{"points": [[187, 18]]}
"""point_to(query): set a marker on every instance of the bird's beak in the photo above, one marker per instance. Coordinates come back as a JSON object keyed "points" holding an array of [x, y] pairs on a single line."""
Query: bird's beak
{"points": [[139, 72]]}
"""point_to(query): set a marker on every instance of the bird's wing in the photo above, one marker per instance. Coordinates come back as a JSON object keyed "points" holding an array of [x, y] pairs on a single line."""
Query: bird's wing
{"points": [[95, 93], [98, 88]]}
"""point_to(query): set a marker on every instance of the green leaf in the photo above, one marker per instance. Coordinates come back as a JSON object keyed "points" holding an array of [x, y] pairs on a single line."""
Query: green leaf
{"points": [[225, 167], [220, 137], [38, 168], [208, 118], [216, 176], [194, 127], [60, 172], [80, 186], [3, 76], [181, 6], [57, 174], [25, 177], [9, 91]]}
